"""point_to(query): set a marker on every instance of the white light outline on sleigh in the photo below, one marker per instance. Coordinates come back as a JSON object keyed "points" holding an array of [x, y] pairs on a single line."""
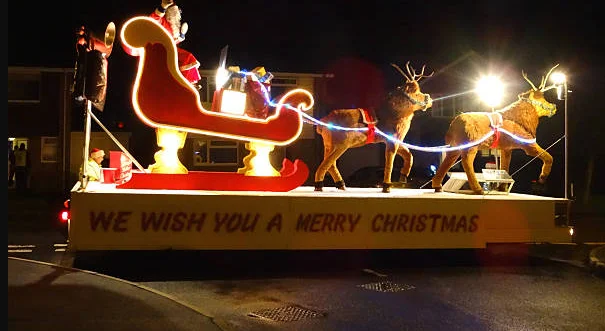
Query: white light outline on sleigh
{"points": [[140, 52]]}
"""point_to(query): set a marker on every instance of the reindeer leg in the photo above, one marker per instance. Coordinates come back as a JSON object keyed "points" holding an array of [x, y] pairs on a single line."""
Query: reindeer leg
{"points": [[505, 157], [329, 164], [335, 173], [389, 156], [323, 167], [408, 161], [535, 149], [468, 157], [444, 167]]}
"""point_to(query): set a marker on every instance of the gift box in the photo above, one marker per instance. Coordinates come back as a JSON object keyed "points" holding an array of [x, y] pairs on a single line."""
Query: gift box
{"points": [[229, 101], [256, 104]]}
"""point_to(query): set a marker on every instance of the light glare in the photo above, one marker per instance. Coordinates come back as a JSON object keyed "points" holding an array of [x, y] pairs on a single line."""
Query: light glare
{"points": [[222, 75], [490, 90], [558, 77], [233, 102]]}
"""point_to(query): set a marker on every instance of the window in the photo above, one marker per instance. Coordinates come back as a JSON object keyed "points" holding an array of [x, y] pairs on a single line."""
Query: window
{"points": [[208, 88], [279, 86], [215, 152], [450, 107], [444, 108], [49, 150], [284, 82]]}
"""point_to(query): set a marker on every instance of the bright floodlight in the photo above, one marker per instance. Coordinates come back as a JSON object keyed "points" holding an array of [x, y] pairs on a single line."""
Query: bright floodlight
{"points": [[490, 90], [558, 78], [222, 75]]}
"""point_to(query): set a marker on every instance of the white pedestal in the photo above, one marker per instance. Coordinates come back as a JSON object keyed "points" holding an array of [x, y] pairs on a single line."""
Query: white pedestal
{"points": [[489, 179]]}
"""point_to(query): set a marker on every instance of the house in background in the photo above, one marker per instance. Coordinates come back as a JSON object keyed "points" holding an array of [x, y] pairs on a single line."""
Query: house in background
{"points": [[39, 111]]}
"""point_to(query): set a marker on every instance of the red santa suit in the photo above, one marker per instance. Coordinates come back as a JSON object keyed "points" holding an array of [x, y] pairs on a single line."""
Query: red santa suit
{"points": [[170, 19]]}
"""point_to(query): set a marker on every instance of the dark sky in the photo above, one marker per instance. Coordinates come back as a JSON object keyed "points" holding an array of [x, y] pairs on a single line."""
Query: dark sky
{"points": [[308, 36], [317, 36], [326, 36]]}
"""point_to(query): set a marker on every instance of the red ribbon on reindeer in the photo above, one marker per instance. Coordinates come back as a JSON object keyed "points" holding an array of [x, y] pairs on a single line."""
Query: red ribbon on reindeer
{"points": [[496, 139], [368, 118], [495, 120]]}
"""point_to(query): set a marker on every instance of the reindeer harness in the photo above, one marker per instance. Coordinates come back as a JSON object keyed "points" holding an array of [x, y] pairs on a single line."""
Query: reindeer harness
{"points": [[416, 102], [495, 121], [549, 108], [368, 118]]}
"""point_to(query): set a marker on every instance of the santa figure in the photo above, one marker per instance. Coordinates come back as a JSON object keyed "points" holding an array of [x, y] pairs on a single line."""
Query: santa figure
{"points": [[168, 14]]}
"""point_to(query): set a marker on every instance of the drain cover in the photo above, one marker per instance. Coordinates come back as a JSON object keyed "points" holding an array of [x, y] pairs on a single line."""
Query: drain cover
{"points": [[286, 314], [387, 287]]}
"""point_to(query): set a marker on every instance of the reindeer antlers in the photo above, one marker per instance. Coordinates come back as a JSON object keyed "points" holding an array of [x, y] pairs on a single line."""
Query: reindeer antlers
{"points": [[529, 81], [545, 79], [542, 88], [411, 75], [401, 71]]}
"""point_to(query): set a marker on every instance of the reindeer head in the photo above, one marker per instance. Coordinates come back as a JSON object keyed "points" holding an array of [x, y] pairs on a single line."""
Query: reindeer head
{"points": [[535, 96], [411, 89]]}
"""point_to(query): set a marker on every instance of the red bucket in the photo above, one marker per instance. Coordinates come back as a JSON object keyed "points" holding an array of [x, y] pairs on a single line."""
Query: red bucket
{"points": [[109, 175]]}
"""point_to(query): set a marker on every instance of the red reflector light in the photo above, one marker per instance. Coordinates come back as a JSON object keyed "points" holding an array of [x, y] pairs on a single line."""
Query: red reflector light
{"points": [[64, 216]]}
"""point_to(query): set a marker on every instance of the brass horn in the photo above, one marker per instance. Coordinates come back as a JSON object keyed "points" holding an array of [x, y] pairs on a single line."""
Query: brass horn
{"points": [[105, 45]]}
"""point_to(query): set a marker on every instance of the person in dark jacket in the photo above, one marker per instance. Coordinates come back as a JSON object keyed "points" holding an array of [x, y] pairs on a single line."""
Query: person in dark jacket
{"points": [[22, 165]]}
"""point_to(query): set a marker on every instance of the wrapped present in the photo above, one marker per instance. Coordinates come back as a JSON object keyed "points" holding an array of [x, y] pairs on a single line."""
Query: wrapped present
{"points": [[257, 91], [262, 75], [229, 101], [266, 79], [256, 104], [259, 71]]}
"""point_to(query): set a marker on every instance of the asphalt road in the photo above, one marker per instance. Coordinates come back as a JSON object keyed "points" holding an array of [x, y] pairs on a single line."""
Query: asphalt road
{"points": [[505, 288]]}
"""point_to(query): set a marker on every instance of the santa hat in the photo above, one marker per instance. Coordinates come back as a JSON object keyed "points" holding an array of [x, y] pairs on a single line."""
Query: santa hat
{"points": [[95, 152]]}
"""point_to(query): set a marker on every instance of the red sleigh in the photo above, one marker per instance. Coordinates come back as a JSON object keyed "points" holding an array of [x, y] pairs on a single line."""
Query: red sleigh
{"points": [[162, 98]]}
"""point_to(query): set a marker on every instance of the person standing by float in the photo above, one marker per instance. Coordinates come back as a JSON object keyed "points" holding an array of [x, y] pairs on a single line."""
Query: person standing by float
{"points": [[168, 14], [11, 166], [94, 171], [22, 165]]}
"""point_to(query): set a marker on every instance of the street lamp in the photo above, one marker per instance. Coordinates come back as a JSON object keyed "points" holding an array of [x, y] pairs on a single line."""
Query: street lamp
{"points": [[560, 80]]}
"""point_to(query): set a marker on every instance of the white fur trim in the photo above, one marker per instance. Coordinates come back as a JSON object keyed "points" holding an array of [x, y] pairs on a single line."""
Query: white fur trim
{"points": [[97, 154], [159, 13]]}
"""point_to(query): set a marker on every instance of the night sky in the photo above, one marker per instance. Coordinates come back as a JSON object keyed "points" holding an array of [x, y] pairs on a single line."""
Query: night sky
{"points": [[309, 37], [316, 37]]}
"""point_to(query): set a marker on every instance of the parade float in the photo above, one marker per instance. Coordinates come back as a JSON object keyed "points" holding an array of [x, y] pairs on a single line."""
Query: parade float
{"points": [[165, 206]]}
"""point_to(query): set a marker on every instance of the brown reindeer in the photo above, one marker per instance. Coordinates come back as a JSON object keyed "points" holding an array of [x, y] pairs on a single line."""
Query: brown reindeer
{"points": [[520, 119], [393, 118]]}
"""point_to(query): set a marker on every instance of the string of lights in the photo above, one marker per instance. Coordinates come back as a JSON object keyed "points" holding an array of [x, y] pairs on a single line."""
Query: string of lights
{"points": [[433, 149]]}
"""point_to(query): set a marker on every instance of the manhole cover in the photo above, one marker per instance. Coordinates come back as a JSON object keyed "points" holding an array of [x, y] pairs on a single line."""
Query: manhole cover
{"points": [[387, 287], [286, 314]]}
